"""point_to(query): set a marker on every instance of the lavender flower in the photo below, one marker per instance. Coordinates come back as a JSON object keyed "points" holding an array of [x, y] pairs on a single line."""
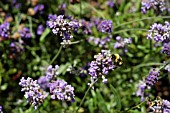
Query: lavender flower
{"points": [[122, 43], [155, 4], [166, 106], [110, 3], [25, 33], [141, 90], [39, 8], [61, 26], [40, 29], [105, 26], [4, 30], [166, 48], [61, 90], [51, 72], [152, 78], [159, 32], [101, 66], [32, 91]]}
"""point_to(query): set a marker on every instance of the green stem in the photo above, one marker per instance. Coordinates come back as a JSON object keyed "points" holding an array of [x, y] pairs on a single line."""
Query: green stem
{"points": [[124, 30], [91, 85], [147, 18], [56, 55], [80, 8], [135, 106]]}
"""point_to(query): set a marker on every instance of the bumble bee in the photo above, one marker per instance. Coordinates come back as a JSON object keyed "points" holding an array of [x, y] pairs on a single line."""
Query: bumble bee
{"points": [[74, 1], [117, 59]]}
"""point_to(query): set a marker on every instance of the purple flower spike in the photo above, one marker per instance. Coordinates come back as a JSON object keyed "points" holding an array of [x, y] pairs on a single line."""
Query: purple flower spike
{"points": [[4, 30], [105, 26], [152, 78]]}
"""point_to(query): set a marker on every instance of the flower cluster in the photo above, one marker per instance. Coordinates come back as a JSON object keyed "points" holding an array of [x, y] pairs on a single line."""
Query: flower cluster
{"points": [[4, 30], [40, 29], [61, 90], [104, 26], [61, 26], [122, 43], [32, 91], [141, 90], [152, 78], [155, 4], [161, 33], [101, 66], [101, 42], [166, 48], [25, 33]]}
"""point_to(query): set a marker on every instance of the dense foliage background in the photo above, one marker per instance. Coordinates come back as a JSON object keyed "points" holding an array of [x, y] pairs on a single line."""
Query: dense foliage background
{"points": [[35, 54]]}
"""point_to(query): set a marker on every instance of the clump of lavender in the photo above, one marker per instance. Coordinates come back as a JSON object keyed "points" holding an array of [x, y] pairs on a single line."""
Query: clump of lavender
{"points": [[4, 30], [155, 4], [33, 92], [40, 29], [122, 43], [101, 66], [61, 26], [161, 33], [39, 8], [166, 106], [152, 78], [101, 42], [61, 90], [25, 33]]}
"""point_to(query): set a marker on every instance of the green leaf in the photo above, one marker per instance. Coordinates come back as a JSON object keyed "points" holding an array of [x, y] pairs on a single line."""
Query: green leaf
{"points": [[45, 33], [117, 97]]}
